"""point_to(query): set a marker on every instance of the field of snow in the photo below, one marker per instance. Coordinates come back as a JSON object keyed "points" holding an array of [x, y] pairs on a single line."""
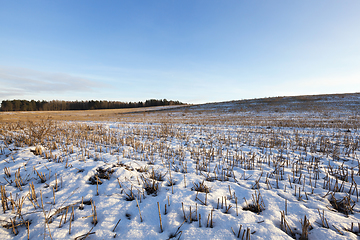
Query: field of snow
{"points": [[99, 180]]}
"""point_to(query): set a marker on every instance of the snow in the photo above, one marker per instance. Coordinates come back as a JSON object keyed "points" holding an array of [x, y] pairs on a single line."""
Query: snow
{"points": [[127, 147]]}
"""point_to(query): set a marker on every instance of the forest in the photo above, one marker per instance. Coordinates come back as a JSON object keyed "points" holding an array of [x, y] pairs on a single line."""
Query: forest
{"points": [[58, 105]]}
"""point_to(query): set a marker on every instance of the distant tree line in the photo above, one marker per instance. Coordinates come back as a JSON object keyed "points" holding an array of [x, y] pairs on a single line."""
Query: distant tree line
{"points": [[56, 105]]}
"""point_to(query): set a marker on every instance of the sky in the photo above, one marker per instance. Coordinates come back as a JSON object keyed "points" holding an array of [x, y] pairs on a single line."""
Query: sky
{"points": [[194, 51]]}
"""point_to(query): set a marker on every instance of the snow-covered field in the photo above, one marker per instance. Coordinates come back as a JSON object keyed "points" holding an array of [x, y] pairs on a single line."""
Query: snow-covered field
{"points": [[99, 180]]}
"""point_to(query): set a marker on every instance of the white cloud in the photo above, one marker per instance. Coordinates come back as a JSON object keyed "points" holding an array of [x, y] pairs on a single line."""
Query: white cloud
{"points": [[17, 82]]}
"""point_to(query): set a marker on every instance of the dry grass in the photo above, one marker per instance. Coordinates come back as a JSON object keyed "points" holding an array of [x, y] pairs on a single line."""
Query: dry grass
{"points": [[77, 115]]}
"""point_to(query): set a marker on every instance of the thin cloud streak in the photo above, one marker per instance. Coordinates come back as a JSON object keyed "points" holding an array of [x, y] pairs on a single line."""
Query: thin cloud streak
{"points": [[18, 82]]}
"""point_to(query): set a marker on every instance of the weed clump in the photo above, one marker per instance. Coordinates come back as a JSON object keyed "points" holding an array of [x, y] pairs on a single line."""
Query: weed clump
{"points": [[101, 174], [37, 151], [142, 169], [257, 205], [170, 182], [200, 187], [305, 228], [129, 196], [151, 186], [345, 205], [156, 175]]}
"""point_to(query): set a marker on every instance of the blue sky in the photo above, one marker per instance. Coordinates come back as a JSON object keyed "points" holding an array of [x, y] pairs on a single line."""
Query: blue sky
{"points": [[192, 51]]}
